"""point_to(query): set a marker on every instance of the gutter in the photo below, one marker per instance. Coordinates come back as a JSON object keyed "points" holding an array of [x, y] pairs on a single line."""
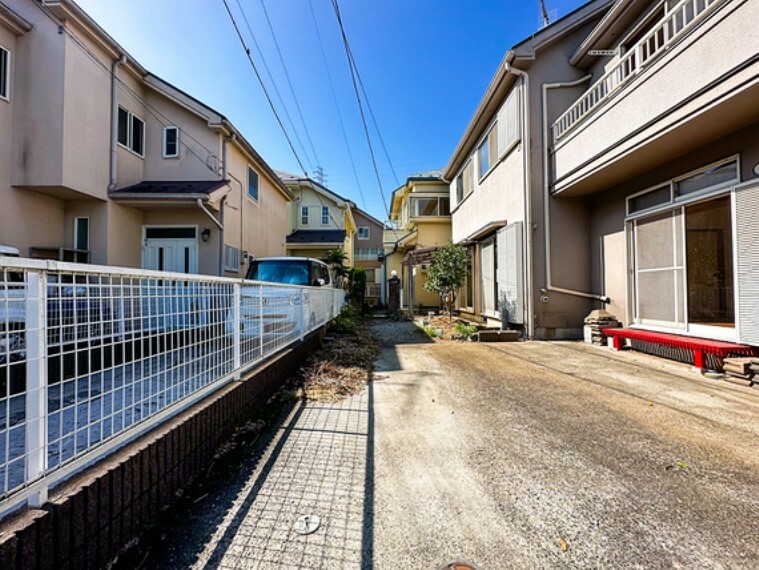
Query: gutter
{"points": [[549, 286], [207, 212], [114, 122], [527, 156]]}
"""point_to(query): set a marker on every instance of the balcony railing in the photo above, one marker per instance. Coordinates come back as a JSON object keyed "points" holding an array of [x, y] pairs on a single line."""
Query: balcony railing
{"points": [[674, 25], [91, 357]]}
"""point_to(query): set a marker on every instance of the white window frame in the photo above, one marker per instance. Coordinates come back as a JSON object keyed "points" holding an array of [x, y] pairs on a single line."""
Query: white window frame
{"points": [[257, 197], [165, 138], [76, 232], [130, 135], [368, 233], [7, 95], [325, 215], [304, 216]]}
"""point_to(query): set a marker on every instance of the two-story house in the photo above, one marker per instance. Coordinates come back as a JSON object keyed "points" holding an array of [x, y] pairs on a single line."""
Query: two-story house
{"points": [[497, 201], [102, 161], [368, 253], [660, 142], [319, 220], [420, 211]]}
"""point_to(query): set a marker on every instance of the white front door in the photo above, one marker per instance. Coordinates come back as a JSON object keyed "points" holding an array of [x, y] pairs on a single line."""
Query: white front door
{"points": [[170, 249]]}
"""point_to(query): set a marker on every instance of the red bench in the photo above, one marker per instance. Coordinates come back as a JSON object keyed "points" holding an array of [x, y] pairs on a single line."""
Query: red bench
{"points": [[699, 346]]}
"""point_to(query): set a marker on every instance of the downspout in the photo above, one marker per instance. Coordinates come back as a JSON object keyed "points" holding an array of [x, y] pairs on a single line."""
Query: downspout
{"points": [[208, 213], [549, 286], [527, 156], [114, 122], [224, 172]]}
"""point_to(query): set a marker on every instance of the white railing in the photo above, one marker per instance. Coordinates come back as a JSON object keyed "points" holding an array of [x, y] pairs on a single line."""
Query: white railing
{"points": [[676, 22], [91, 357]]}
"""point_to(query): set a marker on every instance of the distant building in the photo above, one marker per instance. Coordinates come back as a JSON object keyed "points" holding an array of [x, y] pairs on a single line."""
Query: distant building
{"points": [[319, 220], [369, 254], [420, 210], [104, 162]]}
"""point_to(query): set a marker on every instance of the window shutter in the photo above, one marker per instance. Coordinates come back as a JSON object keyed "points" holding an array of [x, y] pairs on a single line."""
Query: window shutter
{"points": [[746, 233], [231, 258], [509, 274]]}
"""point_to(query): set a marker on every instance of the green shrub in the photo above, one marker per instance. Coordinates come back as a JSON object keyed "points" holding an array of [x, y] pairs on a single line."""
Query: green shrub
{"points": [[347, 321], [431, 331], [465, 331]]}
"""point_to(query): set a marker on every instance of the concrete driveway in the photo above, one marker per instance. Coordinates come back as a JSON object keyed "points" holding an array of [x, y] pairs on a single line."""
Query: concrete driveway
{"points": [[504, 455]]}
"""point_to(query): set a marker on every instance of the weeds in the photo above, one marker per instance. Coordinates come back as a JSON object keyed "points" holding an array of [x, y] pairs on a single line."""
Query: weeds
{"points": [[347, 322], [431, 331], [464, 331]]}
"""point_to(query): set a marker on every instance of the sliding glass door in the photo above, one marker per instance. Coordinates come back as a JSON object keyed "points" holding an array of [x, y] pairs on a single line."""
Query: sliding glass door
{"points": [[683, 269]]}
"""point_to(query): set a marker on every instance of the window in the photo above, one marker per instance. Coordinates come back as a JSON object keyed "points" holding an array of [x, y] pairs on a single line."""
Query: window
{"points": [[252, 183], [304, 215], [649, 199], [370, 275], [488, 151], [325, 215], [82, 233], [468, 178], [5, 73], [231, 258], [170, 142], [432, 206], [363, 232], [710, 177], [368, 253], [459, 188], [131, 132], [508, 126]]}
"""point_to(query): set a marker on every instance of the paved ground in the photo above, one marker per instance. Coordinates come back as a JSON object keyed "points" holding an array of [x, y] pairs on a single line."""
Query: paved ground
{"points": [[506, 455]]}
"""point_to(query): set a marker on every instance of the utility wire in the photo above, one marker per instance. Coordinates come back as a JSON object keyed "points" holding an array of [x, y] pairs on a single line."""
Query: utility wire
{"points": [[351, 64], [289, 82], [273, 83], [271, 105], [337, 105]]}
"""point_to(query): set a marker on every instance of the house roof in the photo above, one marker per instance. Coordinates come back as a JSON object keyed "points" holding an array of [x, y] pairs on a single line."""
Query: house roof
{"points": [[519, 56], [317, 236], [289, 178], [171, 188], [369, 217]]}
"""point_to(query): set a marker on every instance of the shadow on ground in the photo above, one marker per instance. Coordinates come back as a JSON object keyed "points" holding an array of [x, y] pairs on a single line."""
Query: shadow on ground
{"points": [[314, 459]]}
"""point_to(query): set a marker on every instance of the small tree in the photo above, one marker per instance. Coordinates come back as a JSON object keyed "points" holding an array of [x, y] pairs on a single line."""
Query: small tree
{"points": [[336, 258], [447, 273], [357, 286]]}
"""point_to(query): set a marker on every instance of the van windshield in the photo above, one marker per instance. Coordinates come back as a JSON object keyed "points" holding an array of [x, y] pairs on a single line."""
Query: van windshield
{"points": [[280, 271]]}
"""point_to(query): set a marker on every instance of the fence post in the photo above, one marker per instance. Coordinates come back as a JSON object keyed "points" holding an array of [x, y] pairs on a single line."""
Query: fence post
{"points": [[261, 321], [236, 347], [36, 382]]}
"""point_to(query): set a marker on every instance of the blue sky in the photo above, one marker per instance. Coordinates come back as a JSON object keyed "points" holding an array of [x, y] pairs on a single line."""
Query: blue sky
{"points": [[425, 65]]}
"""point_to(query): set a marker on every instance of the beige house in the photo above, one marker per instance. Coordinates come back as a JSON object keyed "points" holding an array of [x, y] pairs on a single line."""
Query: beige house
{"points": [[420, 211], [104, 162], [496, 195], [318, 220], [368, 252], [658, 143]]}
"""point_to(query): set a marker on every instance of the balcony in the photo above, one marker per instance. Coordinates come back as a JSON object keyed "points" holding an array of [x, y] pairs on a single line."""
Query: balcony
{"points": [[690, 79]]}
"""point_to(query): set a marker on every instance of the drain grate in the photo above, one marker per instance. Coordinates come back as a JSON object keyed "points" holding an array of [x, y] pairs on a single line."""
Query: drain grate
{"points": [[306, 524]]}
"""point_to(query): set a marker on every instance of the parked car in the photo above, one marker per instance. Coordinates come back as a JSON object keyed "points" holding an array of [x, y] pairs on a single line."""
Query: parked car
{"points": [[279, 309]]}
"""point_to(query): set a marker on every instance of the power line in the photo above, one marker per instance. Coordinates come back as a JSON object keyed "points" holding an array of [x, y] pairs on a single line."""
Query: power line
{"points": [[289, 82], [351, 65], [271, 104], [337, 105], [273, 83]]}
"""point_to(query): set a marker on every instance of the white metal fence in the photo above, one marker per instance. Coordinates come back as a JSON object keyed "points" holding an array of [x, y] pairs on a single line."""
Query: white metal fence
{"points": [[675, 23], [91, 357]]}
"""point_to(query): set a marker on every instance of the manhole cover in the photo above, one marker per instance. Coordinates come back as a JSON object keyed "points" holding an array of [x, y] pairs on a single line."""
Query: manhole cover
{"points": [[458, 565], [306, 524]]}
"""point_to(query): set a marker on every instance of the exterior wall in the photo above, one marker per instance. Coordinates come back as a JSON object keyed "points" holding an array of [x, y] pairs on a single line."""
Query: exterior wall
{"points": [[664, 101], [307, 197], [608, 241], [131, 167]]}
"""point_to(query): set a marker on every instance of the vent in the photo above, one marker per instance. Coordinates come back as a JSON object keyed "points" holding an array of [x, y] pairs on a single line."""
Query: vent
{"points": [[747, 261], [509, 274]]}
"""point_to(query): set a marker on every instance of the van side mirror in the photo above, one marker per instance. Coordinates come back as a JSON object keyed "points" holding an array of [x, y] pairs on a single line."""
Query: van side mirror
{"points": [[319, 282]]}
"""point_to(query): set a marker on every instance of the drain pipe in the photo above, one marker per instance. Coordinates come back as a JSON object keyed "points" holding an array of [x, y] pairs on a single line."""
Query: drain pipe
{"points": [[224, 172], [526, 152], [114, 122], [547, 198]]}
